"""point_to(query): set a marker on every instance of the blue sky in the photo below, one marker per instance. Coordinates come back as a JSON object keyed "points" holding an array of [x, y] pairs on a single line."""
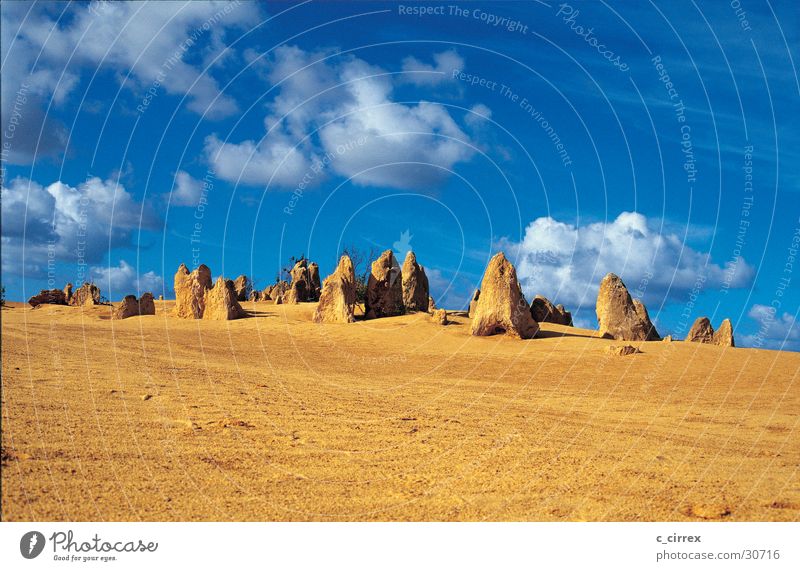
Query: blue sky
{"points": [[655, 140]]}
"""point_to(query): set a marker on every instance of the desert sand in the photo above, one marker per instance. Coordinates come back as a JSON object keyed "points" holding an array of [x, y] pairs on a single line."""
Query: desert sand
{"points": [[278, 418]]}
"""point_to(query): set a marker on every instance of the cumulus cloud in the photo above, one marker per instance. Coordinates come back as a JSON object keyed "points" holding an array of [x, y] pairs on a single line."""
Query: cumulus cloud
{"points": [[275, 161], [187, 190], [65, 223], [478, 115], [775, 330], [44, 58], [566, 262], [340, 114], [115, 282], [441, 71]]}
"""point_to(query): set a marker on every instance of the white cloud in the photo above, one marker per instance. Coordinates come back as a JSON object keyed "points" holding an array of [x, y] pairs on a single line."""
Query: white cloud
{"points": [[479, 114], [775, 330], [424, 74], [45, 50], [69, 224], [341, 109], [115, 282], [275, 162], [566, 262], [187, 190]]}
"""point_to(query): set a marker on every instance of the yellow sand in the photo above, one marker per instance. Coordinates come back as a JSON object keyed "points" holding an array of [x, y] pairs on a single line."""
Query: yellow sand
{"points": [[278, 418]]}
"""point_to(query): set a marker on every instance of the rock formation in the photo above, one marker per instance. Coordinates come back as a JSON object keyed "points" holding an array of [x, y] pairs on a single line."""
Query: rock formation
{"points": [[304, 284], [190, 291], [542, 310], [131, 307], [87, 294], [415, 285], [300, 287], [439, 316], [384, 288], [221, 303], [68, 292], [255, 295], [276, 290], [723, 336], [52, 296], [297, 292], [622, 350], [644, 318], [147, 305], [431, 305], [338, 298], [619, 316], [315, 286], [701, 331], [474, 302], [501, 307], [566, 316], [240, 286]]}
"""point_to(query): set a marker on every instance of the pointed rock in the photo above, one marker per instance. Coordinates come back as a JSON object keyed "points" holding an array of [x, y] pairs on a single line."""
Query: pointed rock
{"points": [[87, 294], [221, 303], [296, 293], [68, 292], [644, 319], [724, 334], [240, 286], [314, 285], [337, 301], [304, 284], [276, 290], [542, 310], [190, 291], [566, 316], [384, 288], [415, 284], [701, 331], [431, 305], [619, 316], [501, 307], [298, 289], [474, 302]]}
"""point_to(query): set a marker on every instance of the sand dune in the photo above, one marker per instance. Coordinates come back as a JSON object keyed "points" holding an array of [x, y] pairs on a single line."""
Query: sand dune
{"points": [[279, 418]]}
